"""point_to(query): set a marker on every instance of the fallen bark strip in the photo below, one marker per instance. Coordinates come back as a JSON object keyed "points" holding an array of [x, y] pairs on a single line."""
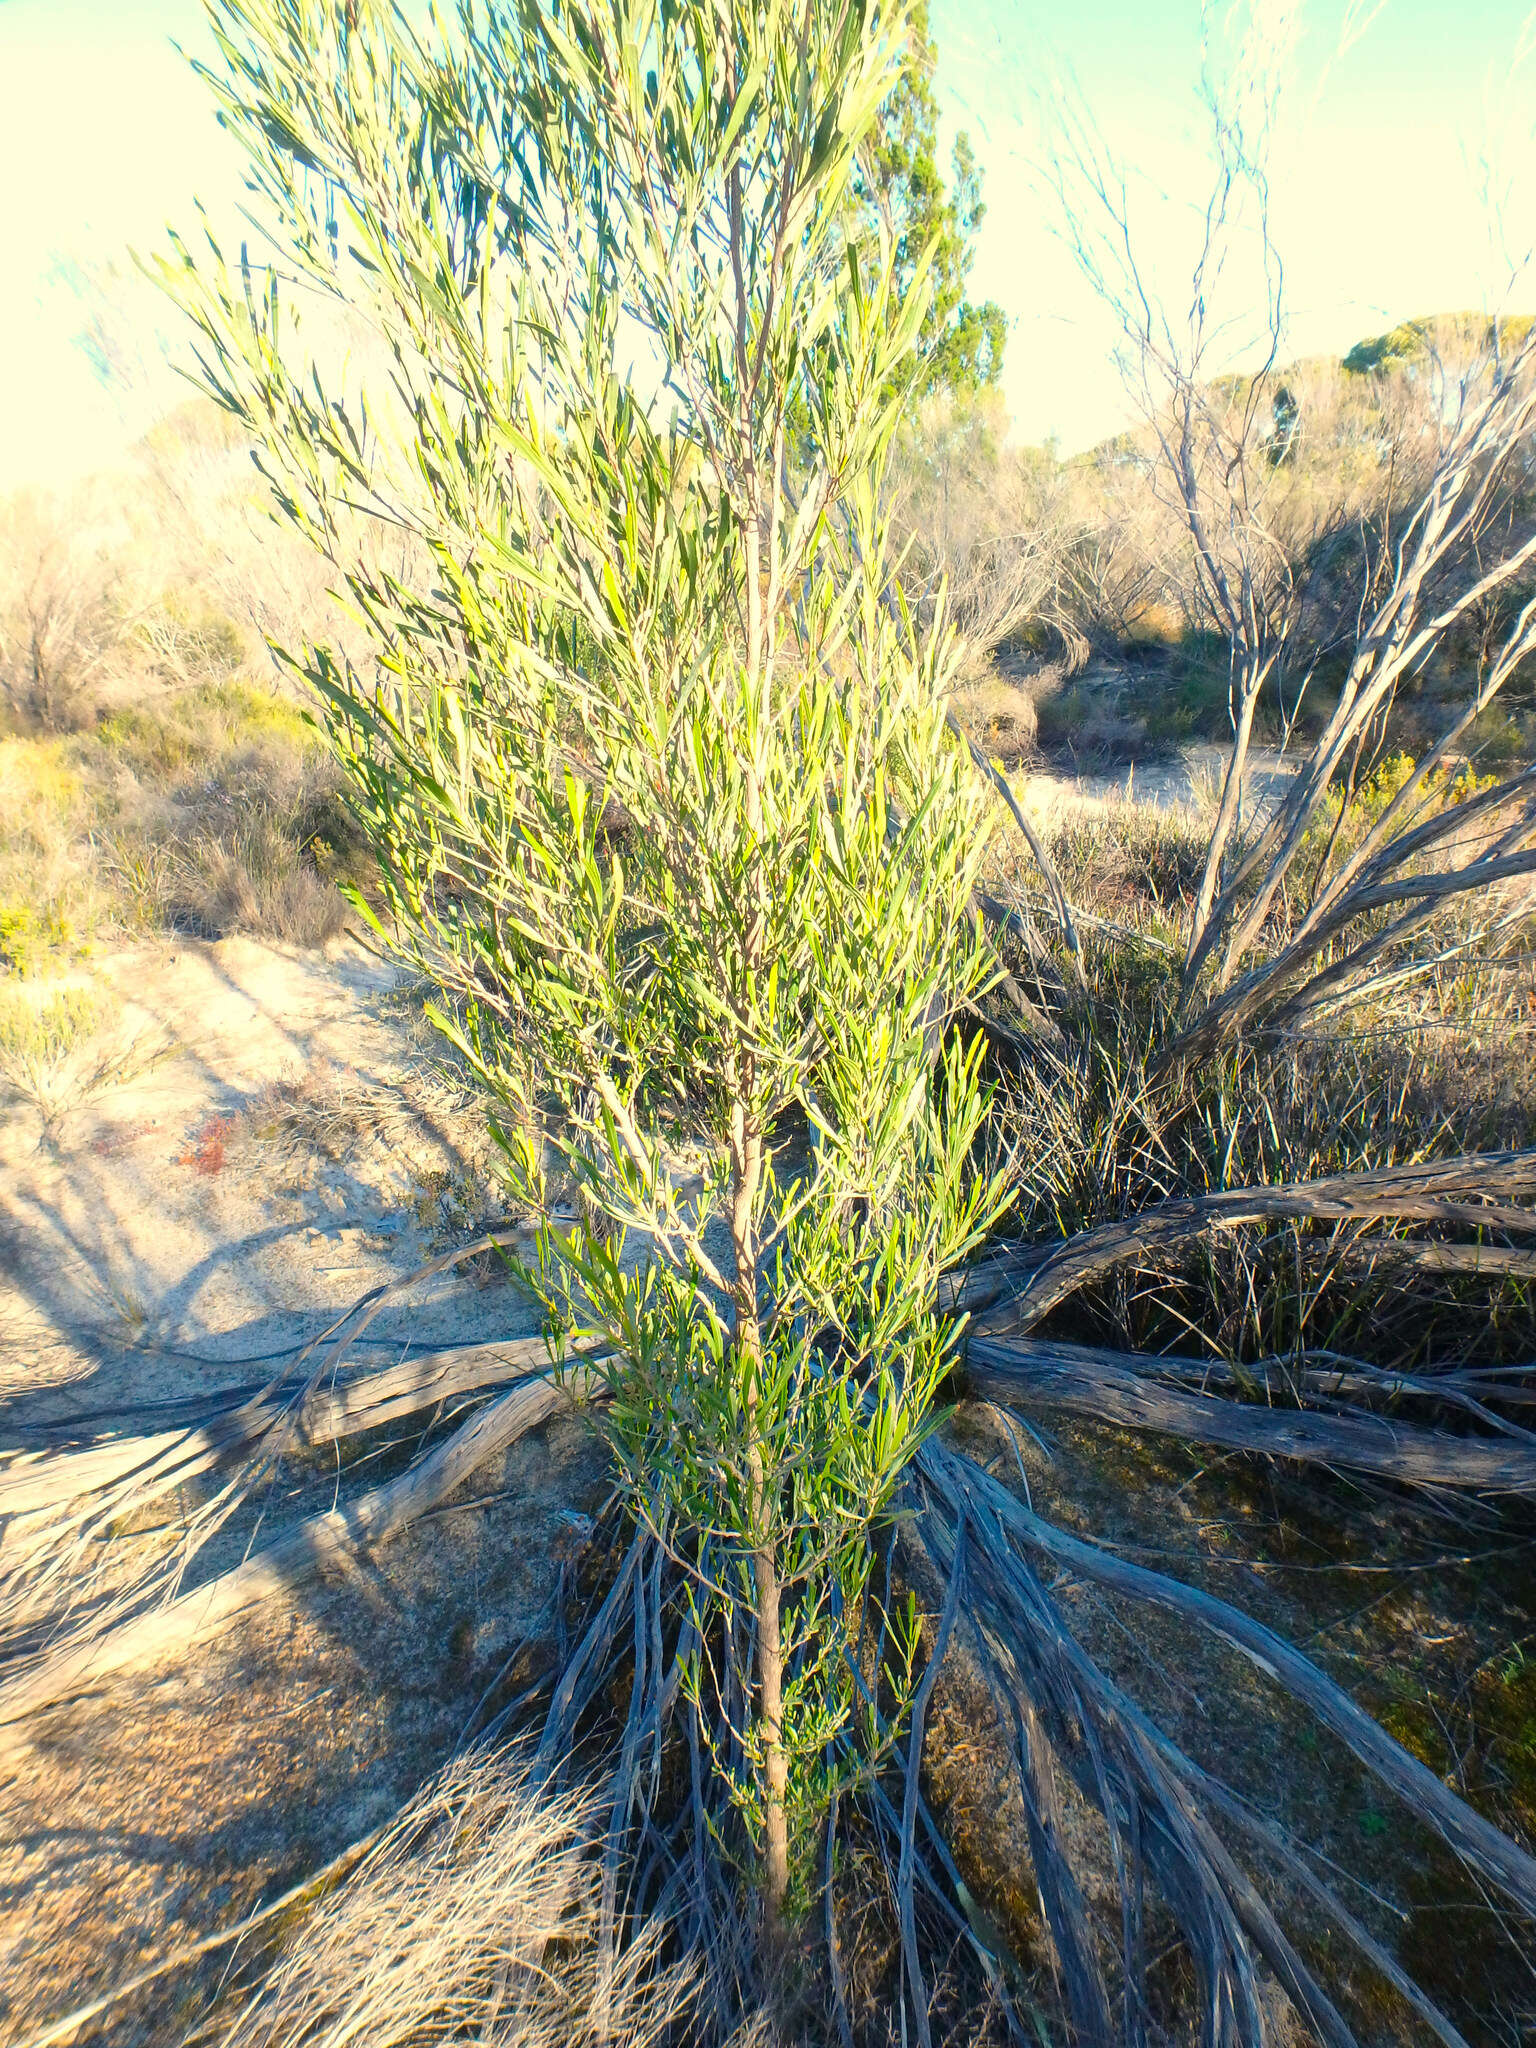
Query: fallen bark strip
{"points": [[1110, 1752], [38, 1481], [1272, 1841], [340, 1337], [1314, 1376], [1116, 1387], [1436, 1191], [295, 1557], [79, 1428], [1493, 1260], [1208, 1790], [1503, 1862]]}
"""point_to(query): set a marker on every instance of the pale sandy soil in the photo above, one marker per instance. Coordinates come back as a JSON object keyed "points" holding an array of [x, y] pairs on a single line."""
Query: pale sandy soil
{"points": [[288, 1146], [1189, 780]]}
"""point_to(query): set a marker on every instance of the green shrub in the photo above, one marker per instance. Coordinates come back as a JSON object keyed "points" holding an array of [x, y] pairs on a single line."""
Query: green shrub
{"points": [[700, 908], [30, 937], [1497, 739], [161, 741], [44, 1027]]}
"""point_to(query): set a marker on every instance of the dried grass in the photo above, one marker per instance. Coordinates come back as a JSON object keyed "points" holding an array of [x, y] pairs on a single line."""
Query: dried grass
{"points": [[255, 883], [475, 1919], [213, 810], [418, 1129], [63, 615]]}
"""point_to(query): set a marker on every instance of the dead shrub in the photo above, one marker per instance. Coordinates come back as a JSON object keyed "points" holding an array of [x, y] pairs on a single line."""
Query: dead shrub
{"points": [[341, 1115], [989, 524], [61, 618]]}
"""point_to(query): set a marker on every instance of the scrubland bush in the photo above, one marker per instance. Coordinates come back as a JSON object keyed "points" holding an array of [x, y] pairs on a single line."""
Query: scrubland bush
{"points": [[156, 770], [1000, 712], [36, 1033], [209, 811]]}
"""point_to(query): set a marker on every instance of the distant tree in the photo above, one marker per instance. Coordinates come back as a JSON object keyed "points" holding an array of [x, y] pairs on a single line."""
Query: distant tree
{"points": [[961, 343], [1285, 412], [1436, 338]]}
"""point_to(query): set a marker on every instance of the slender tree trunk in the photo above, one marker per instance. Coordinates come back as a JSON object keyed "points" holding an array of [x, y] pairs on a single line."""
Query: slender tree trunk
{"points": [[747, 1171], [1255, 674], [747, 1146], [770, 1679]]}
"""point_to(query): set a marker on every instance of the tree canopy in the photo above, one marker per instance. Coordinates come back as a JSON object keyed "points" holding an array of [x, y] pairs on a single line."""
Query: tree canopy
{"points": [[899, 182]]}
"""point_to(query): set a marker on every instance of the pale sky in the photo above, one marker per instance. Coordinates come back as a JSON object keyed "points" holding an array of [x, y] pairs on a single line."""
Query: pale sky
{"points": [[105, 136]]}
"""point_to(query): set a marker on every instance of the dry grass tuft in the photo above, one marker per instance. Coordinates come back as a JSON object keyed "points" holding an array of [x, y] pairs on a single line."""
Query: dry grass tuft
{"points": [[254, 882], [54, 1055], [998, 713], [475, 1919], [339, 1114]]}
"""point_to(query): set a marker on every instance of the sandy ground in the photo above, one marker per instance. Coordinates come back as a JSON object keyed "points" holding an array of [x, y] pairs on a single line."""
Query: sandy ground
{"points": [[277, 1144], [1190, 779], [270, 1140]]}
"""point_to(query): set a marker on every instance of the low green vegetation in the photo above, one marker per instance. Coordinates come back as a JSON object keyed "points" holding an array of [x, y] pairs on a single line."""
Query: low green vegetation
{"points": [[36, 1032]]}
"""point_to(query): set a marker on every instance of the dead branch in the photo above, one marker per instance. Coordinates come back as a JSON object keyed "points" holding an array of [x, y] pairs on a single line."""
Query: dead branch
{"points": [[323, 1540], [1015, 1287], [35, 1482], [1495, 417], [1445, 540], [1043, 1679], [1374, 888], [1061, 909], [1502, 1862], [1122, 1388]]}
